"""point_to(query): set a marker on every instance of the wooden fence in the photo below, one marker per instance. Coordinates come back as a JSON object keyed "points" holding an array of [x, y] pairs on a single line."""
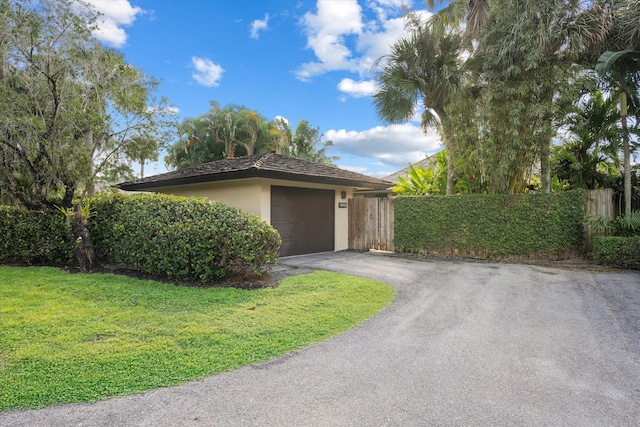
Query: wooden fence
{"points": [[599, 203], [371, 220], [371, 224]]}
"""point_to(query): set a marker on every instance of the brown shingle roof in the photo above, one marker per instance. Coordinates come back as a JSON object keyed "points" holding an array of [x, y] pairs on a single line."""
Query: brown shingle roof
{"points": [[269, 165]]}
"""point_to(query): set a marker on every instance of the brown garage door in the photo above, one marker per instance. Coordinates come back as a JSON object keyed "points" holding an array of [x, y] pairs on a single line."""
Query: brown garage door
{"points": [[304, 218]]}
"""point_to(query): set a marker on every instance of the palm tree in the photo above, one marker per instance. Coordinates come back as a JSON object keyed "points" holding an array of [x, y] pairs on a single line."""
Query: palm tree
{"points": [[590, 153], [620, 64], [556, 32], [283, 135], [425, 66], [242, 131], [595, 122], [196, 144], [307, 144], [141, 149], [623, 67], [474, 14], [418, 182], [235, 127], [526, 58]]}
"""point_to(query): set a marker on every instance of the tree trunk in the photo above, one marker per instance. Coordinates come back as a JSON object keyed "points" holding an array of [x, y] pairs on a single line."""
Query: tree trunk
{"points": [[626, 154], [450, 172], [545, 169], [82, 246], [448, 144], [90, 186], [142, 168]]}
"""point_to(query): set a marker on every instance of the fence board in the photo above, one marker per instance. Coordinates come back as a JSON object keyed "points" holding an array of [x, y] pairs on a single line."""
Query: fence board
{"points": [[371, 224], [599, 203]]}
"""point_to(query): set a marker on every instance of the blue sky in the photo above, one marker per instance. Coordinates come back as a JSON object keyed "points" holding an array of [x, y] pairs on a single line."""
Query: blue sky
{"points": [[299, 59]]}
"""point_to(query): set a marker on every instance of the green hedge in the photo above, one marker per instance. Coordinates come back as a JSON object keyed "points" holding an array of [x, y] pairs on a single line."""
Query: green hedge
{"points": [[34, 237], [493, 226], [177, 237], [182, 238], [617, 251]]}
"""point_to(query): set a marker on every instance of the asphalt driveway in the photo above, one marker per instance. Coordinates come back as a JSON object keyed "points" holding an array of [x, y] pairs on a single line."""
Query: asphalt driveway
{"points": [[462, 344]]}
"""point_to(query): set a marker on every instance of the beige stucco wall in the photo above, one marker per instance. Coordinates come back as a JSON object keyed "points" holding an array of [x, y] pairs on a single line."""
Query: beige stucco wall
{"points": [[253, 195], [242, 194]]}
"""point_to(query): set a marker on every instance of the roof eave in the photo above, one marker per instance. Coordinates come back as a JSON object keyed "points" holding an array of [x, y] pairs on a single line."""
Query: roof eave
{"points": [[251, 173]]}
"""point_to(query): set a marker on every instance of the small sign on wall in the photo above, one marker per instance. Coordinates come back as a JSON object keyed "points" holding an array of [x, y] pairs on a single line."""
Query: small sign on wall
{"points": [[342, 205]]}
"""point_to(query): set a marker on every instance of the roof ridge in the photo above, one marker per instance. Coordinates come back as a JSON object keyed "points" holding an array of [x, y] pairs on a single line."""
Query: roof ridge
{"points": [[262, 159]]}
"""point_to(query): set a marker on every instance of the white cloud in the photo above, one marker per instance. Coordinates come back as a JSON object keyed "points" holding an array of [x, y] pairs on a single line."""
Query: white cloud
{"points": [[393, 3], [357, 89], [170, 110], [382, 174], [382, 8], [343, 39], [259, 25], [326, 31], [393, 146], [114, 15], [335, 17], [358, 169], [283, 119], [207, 73], [376, 43]]}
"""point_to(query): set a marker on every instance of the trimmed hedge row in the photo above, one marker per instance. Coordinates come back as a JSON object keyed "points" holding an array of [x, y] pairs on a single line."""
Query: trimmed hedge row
{"points": [[617, 251], [176, 237], [491, 226], [34, 237], [179, 237]]}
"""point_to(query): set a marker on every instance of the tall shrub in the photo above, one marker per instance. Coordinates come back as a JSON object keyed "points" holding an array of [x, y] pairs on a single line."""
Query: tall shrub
{"points": [[617, 251], [34, 237], [182, 238]]}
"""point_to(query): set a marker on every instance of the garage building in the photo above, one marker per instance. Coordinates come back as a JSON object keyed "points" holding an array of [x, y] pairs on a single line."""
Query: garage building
{"points": [[305, 201]]}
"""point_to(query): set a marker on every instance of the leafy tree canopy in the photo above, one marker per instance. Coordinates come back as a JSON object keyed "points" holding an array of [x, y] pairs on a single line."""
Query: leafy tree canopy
{"points": [[74, 110], [527, 59], [426, 67], [590, 151], [235, 130], [71, 111]]}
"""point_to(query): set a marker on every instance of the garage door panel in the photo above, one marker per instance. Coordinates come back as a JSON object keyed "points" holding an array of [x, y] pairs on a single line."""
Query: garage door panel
{"points": [[284, 214], [303, 209], [304, 246], [307, 229], [305, 219]]}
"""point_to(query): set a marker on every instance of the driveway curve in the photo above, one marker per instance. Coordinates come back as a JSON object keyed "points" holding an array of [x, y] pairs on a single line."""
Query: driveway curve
{"points": [[461, 344]]}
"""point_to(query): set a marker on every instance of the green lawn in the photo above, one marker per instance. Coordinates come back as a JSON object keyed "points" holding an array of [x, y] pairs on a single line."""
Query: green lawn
{"points": [[75, 337]]}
